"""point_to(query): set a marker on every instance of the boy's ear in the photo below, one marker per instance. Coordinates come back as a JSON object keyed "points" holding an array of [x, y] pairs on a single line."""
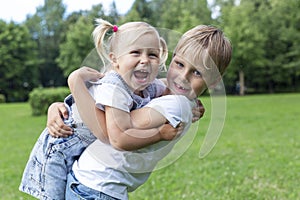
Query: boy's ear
{"points": [[215, 83]]}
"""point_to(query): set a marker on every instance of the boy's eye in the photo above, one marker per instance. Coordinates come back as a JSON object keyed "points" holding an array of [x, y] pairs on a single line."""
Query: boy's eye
{"points": [[179, 64], [197, 73]]}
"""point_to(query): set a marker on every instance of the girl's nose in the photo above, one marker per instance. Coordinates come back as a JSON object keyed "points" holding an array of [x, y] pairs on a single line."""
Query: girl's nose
{"points": [[144, 58]]}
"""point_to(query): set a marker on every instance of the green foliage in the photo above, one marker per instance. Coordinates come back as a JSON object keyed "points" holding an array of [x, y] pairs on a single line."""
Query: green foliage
{"points": [[18, 63], [77, 46], [256, 157], [2, 98], [47, 28], [140, 11], [41, 98], [179, 15], [264, 42]]}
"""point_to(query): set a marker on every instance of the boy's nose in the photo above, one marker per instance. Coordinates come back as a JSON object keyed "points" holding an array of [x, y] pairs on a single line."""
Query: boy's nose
{"points": [[185, 76]]}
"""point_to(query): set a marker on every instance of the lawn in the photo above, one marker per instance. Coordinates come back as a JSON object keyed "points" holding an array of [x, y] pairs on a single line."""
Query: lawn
{"points": [[256, 157]]}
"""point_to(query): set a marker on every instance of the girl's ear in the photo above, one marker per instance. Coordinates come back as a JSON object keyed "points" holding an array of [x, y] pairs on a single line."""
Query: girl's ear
{"points": [[113, 60]]}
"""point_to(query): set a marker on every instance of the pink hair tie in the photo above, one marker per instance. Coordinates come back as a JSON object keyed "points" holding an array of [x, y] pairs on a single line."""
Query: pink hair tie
{"points": [[115, 28]]}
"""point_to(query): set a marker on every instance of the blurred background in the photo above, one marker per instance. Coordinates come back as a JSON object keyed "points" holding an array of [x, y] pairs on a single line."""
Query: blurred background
{"points": [[257, 156], [41, 50]]}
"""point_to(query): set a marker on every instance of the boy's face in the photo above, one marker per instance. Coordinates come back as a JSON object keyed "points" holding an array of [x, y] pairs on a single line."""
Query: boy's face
{"points": [[184, 79]]}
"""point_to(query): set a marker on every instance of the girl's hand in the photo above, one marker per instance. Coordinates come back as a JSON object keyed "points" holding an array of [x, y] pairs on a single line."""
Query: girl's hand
{"points": [[168, 132], [80, 76], [198, 111], [86, 74], [56, 127]]}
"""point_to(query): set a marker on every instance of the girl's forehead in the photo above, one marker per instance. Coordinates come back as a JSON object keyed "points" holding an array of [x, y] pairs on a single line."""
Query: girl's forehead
{"points": [[147, 40], [144, 41]]}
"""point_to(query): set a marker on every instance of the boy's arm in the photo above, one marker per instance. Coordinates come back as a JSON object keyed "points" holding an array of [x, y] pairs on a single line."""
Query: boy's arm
{"points": [[55, 124]]}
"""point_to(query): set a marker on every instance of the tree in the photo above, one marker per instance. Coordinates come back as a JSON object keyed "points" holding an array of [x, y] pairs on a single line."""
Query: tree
{"points": [[194, 13], [140, 11], [18, 63], [265, 43], [242, 27], [282, 46], [113, 15], [78, 48], [96, 12], [46, 27]]}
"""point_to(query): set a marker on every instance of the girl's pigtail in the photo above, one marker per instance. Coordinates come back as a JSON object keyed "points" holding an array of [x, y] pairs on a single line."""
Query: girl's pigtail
{"points": [[163, 54], [99, 35]]}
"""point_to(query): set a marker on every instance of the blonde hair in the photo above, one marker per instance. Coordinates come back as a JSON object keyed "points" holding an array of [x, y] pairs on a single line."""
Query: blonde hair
{"points": [[207, 46], [127, 34]]}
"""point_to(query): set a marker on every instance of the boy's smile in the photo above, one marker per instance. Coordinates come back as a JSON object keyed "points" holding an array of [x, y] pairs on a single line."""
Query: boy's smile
{"points": [[184, 79]]}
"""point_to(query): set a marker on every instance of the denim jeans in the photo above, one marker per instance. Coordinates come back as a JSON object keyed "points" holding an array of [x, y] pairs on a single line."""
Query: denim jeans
{"points": [[76, 190], [50, 161]]}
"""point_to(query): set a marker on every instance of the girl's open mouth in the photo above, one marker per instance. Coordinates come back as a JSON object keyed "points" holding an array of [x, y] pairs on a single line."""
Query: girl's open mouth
{"points": [[141, 75]]}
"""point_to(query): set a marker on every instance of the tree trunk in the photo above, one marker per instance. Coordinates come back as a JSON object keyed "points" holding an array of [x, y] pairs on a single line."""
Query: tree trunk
{"points": [[242, 82]]}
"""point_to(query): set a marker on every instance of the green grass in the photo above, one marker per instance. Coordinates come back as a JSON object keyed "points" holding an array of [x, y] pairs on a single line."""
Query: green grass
{"points": [[18, 132], [256, 157]]}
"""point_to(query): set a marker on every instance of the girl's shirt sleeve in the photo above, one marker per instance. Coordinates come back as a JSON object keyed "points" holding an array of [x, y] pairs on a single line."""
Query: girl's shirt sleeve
{"points": [[160, 87], [111, 95], [175, 108]]}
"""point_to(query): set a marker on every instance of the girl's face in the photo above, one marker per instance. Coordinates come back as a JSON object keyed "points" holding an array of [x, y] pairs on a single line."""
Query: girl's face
{"points": [[184, 79], [138, 64]]}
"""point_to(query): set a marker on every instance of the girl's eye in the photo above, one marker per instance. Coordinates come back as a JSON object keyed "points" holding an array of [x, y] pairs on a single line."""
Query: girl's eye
{"points": [[153, 55], [135, 52]]}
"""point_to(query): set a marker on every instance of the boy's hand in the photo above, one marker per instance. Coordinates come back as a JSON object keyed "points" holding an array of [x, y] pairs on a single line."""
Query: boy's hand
{"points": [[168, 132], [198, 111], [56, 127]]}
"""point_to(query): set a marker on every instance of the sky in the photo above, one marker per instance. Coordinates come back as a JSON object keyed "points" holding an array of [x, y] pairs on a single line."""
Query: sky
{"points": [[17, 10]]}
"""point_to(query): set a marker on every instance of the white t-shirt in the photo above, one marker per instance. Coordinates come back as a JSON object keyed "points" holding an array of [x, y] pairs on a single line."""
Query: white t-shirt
{"points": [[115, 172]]}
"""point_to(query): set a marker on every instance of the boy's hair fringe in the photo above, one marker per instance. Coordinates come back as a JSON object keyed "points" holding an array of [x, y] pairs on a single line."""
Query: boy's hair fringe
{"points": [[206, 44]]}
